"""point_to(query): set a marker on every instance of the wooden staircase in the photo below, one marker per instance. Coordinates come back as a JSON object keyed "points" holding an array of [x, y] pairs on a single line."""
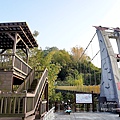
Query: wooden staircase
{"points": [[26, 103], [33, 86]]}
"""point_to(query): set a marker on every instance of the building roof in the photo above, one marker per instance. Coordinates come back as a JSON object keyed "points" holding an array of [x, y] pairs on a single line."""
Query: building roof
{"points": [[23, 31]]}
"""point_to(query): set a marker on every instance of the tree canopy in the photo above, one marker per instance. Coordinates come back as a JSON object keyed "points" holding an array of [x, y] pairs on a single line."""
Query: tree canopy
{"points": [[65, 68]]}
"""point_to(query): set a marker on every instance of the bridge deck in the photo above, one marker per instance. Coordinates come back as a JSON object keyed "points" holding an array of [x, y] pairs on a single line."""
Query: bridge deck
{"points": [[82, 88], [87, 116]]}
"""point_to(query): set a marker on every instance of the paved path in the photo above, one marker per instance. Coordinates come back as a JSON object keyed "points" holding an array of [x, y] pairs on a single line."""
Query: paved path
{"points": [[87, 116]]}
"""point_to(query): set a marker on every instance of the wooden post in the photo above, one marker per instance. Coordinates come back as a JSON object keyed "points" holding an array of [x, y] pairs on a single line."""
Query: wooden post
{"points": [[10, 103], [25, 103], [40, 109], [27, 55], [14, 105], [14, 49], [1, 107], [46, 96]]}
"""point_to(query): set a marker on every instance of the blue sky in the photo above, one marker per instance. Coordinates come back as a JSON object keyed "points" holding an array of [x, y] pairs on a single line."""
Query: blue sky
{"points": [[62, 23]]}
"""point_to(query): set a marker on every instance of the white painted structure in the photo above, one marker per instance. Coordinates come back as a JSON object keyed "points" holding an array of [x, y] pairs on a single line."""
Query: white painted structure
{"points": [[50, 114], [110, 76]]}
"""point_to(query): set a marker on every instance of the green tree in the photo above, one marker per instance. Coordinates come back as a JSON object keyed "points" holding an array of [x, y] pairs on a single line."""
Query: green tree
{"points": [[35, 33], [78, 54], [37, 58]]}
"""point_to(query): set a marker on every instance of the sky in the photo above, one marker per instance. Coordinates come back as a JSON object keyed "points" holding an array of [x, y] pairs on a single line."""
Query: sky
{"points": [[63, 23]]}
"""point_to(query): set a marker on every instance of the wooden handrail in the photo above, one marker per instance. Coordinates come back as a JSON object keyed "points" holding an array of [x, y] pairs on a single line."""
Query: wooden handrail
{"points": [[42, 80], [35, 97], [11, 61], [22, 61], [10, 103], [11, 54], [27, 82]]}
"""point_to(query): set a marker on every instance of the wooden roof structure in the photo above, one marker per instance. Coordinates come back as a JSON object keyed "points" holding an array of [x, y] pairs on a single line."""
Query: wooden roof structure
{"points": [[8, 30]]}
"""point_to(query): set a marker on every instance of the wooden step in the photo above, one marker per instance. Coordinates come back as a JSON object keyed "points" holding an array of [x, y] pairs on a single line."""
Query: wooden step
{"points": [[33, 85]]}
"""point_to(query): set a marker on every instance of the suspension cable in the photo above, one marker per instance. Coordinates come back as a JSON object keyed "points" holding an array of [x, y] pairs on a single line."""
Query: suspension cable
{"points": [[87, 46], [95, 55], [94, 70]]}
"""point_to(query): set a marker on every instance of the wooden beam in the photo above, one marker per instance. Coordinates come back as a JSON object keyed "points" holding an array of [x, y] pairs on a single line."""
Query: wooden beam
{"points": [[26, 36], [3, 50], [15, 43], [22, 41], [14, 26], [10, 36], [18, 39], [26, 52], [10, 31]]}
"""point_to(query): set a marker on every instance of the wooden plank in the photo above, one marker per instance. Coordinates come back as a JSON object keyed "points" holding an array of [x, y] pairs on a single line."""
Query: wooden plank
{"points": [[19, 105], [22, 41], [14, 105], [1, 106], [26, 36], [9, 104], [22, 61], [13, 95], [11, 115], [23, 106], [30, 117], [10, 36], [5, 104]]}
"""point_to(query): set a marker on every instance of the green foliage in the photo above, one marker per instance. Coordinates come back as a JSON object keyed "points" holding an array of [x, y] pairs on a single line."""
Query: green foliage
{"points": [[37, 58], [79, 80], [64, 69], [56, 97], [68, 96], [77, 54], [35, 33], [75, 82], [62, 57], [48, 50]]}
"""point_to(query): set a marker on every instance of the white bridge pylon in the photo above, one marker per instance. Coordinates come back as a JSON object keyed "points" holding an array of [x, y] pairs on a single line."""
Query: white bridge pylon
{"points": [[110, 75]]}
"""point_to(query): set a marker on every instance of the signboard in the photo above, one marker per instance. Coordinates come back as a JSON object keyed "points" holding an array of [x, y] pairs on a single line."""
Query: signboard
{"points": [[83, 98]]}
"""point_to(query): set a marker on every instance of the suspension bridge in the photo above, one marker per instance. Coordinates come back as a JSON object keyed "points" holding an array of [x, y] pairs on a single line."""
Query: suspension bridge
{"points": [[109, 87], [85, 88], [30, 100]]}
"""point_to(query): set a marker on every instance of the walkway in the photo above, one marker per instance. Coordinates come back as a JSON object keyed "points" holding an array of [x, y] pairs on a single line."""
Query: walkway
{"points": [[87, 116], [82, 88]]}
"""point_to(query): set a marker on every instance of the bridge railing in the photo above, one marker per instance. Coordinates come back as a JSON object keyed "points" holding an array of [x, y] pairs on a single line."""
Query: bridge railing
{"points": [[81, 88]]}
